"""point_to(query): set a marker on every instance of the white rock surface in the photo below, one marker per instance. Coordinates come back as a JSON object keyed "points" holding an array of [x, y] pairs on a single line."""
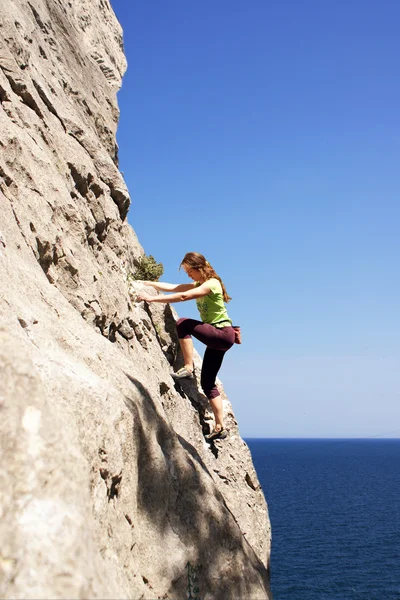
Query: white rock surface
{"points": [[107, 486]]}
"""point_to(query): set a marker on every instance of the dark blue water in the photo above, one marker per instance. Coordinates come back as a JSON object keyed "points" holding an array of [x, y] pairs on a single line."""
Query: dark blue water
{"points": [[334, 507]]}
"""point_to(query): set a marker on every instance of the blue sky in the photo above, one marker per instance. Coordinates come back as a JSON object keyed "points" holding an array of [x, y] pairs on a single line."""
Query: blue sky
{"points": [[266, 135]]}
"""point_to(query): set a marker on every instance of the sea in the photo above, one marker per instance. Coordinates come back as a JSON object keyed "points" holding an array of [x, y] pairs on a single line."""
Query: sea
{"points": [[334, 507]]}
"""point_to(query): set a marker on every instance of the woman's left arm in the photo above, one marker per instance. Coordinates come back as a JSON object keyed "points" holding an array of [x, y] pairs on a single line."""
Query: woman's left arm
{"points": [[198, 292]]}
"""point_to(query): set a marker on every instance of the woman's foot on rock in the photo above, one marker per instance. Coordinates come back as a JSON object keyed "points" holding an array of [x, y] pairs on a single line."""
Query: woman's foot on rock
{"points": [[183, 373], [217, 434]]}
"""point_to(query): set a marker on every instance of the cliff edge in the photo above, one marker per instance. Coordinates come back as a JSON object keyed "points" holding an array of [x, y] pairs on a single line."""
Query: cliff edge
{"points": [[107, 486]]}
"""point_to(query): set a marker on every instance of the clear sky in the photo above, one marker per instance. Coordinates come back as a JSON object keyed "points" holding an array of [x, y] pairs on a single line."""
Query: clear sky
{"points": [[265, 134]]}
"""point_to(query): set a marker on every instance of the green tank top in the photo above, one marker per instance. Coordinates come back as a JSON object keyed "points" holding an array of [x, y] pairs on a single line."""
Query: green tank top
{"points": [[212, 307]]}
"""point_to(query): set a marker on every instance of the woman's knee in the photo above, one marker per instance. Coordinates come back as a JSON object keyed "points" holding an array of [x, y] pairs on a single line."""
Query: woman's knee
{"points": [[182, 327], [208, 386], [211, 393]]}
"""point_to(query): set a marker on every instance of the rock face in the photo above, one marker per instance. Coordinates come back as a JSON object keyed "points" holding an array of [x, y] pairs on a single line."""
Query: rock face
{"points": [[107, 486]]}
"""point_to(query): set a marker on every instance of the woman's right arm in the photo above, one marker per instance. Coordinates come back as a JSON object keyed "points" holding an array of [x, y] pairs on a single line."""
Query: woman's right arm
{"points": [[168, 287]]}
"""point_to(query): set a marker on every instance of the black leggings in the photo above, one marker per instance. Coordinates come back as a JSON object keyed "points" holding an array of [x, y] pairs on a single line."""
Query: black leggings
{"points": [[218, 341]]}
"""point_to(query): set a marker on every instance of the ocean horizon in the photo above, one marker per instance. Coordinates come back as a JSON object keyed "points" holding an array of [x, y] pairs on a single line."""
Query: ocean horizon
{"points": [[350, 439], [335, 516]]}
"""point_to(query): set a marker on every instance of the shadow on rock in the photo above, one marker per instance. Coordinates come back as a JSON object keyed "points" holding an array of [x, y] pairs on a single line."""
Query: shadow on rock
{"points": [[178, 497]]}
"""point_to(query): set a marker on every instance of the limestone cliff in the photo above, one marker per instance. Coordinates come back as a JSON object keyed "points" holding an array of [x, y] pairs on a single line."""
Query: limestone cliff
{"points": [[107, 486]]}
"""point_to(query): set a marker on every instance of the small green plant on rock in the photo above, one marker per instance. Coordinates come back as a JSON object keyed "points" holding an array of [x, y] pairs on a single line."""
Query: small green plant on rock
{"points": [[148, 269]]}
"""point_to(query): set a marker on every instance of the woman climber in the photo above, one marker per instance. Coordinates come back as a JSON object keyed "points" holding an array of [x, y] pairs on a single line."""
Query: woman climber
{"points": [[214, 330]]}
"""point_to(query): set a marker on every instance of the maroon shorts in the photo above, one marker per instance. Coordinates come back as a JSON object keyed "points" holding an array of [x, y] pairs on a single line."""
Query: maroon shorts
{"points": [[218, 341]]}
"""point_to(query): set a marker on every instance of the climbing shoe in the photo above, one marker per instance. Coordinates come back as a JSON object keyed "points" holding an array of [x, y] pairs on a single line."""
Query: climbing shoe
{"points": [[217, 434], [183, 373]]}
